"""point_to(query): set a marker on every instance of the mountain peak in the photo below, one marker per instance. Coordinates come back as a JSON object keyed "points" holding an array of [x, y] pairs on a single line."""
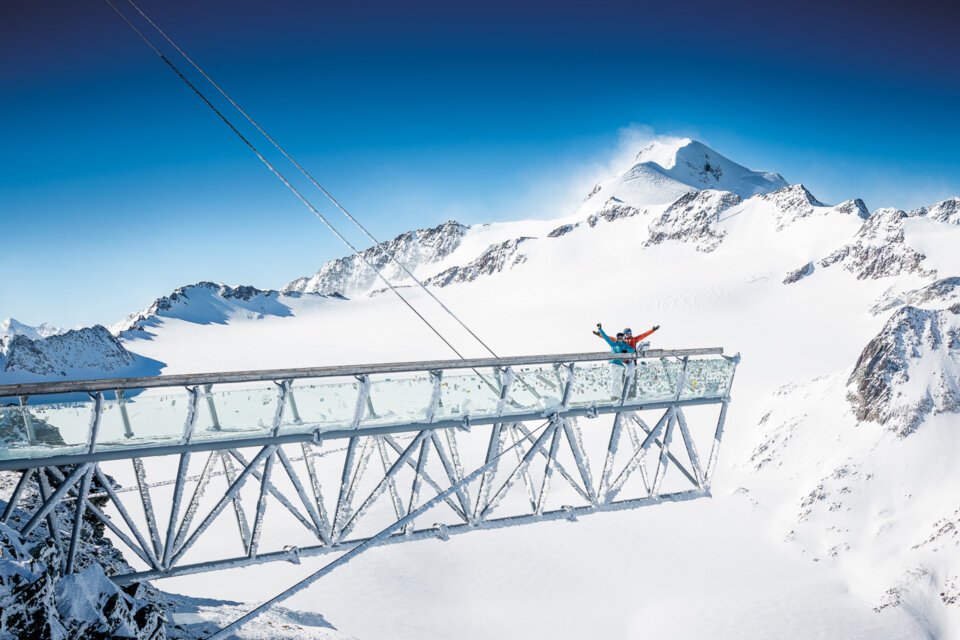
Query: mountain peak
{"points": [[13, 327], [667, 168]]}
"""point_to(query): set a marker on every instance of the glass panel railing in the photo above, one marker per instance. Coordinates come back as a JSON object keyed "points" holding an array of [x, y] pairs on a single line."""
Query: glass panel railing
{"points": [[707, 378], [470, 392], [398, 398], [322, 403], [537, 387], [655, 381], [595, 383], [153, 417], [44, 429], [60, 424], [230, 411]]}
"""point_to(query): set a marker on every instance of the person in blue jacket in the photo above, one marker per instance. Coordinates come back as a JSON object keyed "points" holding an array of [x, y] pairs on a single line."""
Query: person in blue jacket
{"points": [[617, 367]]}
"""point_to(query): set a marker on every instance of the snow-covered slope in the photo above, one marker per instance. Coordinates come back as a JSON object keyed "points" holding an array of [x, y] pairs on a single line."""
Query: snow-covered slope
{"points": [[834, 510]]}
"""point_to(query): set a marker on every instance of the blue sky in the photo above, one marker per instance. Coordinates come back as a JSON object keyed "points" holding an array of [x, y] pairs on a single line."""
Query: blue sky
{"points": [[117, 185]]}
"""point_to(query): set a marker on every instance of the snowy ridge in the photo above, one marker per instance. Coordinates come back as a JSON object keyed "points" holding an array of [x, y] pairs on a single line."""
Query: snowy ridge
{"points": [[79, 353], [936, 295], [944, 211], [879, 249], [497, 258], [350, 275], [13, 327], [209, 302], [694, 218]]}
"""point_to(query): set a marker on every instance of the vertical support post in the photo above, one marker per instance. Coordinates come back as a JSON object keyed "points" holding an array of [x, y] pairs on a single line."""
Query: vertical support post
{"points": [[548, 471], [715, 449], [523, 468], [96, 413], [231, 473], [437, 377], [308, 458], [27, 420], [261, 506], [182, 467], [691, 447], [417, 480], [53, 522], [493, 447], [124, 415], [144, 489], [664, 453], [363, 394], [212, 408], [78, 519], [572, 432], [294, 411]]}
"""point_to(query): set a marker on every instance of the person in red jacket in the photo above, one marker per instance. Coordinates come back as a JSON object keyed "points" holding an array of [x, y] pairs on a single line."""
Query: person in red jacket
{"points": [[633, 340]]}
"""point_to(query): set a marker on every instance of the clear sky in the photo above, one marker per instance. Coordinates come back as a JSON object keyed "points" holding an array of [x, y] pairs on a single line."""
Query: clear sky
{"points": [[117, 185]]}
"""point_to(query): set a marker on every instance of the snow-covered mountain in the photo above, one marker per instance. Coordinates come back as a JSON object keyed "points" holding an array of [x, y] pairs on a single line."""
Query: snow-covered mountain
{"points": [[835, 511], [666, 169], [12, 327], [413, 249], [210, 302], [90, 352]]}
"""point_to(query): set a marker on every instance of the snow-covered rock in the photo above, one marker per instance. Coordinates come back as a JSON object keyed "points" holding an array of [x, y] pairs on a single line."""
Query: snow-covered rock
{"points": [[799, 274], [497, 258], [936, 295], [943, 211], [693, 218], [350, 275], [879, 249], [613, 209], [910, 370], [795, 202]]}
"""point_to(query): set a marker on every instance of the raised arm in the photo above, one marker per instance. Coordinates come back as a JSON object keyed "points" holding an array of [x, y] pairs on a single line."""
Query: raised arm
{"points": [[600, 333], [640, 337]]}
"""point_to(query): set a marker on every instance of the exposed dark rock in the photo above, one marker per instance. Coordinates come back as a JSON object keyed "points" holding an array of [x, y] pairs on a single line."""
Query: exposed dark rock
{"points": [[799, 274]]}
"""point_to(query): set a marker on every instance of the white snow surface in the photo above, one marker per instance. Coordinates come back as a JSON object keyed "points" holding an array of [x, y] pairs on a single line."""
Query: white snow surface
{"points": [[820, 525]]}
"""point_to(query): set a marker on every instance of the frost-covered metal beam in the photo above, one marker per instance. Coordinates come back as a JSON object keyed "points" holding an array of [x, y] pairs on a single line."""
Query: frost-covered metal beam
{"points": [[430, 533]]}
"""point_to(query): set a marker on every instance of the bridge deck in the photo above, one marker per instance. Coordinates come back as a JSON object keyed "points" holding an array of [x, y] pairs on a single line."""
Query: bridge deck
{"points": [[78, 421]]}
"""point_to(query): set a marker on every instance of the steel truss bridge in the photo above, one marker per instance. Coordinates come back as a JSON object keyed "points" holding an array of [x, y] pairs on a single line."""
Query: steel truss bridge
{"points": [[183, 469]]}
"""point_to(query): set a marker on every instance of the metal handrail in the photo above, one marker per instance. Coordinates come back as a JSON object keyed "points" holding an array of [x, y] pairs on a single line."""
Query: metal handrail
{"points": [[190, 379]]}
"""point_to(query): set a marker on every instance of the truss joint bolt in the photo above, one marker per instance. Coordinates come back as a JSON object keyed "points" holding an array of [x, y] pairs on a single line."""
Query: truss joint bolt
{"points": [[465, 423], [293, 553], [441, 531]]}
